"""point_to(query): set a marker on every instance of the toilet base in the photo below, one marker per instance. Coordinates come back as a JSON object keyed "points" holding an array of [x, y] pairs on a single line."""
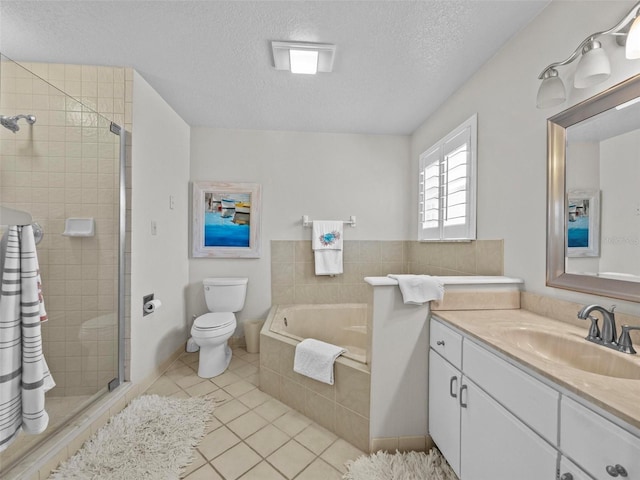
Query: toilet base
{"points": [[213, 361], [192, 346]]}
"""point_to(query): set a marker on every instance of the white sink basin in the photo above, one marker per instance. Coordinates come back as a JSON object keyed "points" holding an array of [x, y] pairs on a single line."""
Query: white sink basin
{"points": [[575, 352]]}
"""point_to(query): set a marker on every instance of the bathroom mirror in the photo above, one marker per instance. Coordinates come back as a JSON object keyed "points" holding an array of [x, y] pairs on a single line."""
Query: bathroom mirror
{"points": [[593, 188]]}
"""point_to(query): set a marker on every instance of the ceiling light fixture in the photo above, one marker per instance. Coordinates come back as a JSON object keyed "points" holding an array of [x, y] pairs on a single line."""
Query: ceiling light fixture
{"points": [[593, 66], [303, 57], [303, 61]]}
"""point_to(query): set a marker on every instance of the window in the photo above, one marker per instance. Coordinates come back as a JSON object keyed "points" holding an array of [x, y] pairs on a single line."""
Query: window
{"points": [[447, 190]]}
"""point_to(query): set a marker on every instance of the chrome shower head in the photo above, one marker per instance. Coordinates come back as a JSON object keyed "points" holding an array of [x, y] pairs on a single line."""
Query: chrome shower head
{"points": [[12, 122]]}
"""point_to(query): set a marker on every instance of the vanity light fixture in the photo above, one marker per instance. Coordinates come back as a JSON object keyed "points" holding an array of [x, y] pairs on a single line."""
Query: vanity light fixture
{"points": [[303, 57], [551, 91], [593, 66]]}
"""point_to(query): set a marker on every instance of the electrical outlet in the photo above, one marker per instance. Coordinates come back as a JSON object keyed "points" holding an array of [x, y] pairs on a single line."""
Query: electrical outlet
{"points": [[145, 299]]}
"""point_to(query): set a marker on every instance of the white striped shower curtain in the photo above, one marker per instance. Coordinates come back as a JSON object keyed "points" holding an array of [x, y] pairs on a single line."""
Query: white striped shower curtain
{"points": [[24, 374]]}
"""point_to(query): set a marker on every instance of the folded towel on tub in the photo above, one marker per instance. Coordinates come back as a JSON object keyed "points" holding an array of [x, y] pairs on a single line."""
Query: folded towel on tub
{"points": [[418, 289], [315, 359]]}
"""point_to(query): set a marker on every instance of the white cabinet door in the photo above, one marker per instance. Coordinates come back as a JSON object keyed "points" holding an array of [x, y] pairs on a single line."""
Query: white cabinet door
{"points": [[596, 444], [495, 445], [444, 411]]}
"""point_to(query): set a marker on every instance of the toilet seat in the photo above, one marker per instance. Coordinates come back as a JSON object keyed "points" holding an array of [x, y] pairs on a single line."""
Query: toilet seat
{"points": [[213, 324]]}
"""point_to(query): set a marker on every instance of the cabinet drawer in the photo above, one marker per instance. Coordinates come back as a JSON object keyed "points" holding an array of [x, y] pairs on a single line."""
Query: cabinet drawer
{"points": [[446, 342], [528, 399], [594, 442]]}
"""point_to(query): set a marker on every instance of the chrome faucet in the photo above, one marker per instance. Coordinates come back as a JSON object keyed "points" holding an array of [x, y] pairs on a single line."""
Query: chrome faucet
{"points": [[624, 343], [608, 337]]}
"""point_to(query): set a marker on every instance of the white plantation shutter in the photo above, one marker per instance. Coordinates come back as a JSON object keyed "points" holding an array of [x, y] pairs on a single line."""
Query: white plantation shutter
{"points": [[430, 193], [447, 186]]}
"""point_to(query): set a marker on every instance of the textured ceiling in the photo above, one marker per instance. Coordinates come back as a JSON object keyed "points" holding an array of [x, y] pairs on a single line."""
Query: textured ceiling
{"points": [[396, 61]]}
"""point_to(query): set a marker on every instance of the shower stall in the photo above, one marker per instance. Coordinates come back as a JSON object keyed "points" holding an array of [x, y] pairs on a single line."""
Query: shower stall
{"points": [[63, 163]]}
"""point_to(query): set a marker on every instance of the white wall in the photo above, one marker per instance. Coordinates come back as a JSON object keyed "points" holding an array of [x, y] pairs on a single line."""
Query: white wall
{"points": [[323, 175], [512, 132], [159, 263]]}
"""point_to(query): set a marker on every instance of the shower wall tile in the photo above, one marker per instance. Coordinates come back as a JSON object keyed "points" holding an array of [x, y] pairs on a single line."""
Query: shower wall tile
{"points": [[66, 166]]}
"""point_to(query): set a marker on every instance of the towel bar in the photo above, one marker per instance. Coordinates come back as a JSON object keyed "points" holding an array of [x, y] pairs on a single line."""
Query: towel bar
{"points": [[307, 223]]}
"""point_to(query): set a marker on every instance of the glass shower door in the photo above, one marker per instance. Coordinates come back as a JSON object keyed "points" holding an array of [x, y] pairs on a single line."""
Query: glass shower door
{"points": [[64, 170]]}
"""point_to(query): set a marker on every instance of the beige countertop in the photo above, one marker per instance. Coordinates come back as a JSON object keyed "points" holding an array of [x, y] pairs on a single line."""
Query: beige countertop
{"points": [[618, 396]]}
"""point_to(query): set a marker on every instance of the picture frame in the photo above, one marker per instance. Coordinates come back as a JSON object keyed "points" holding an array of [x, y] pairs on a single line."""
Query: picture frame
{"points": [[583, 223], [226, 220]]}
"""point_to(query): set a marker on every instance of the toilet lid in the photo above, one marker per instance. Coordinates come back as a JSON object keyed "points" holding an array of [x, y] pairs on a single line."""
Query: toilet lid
{"points": [[214, 321]]}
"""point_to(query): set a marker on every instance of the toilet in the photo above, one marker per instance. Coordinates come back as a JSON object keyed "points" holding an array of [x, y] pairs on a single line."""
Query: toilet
{"points": [[210, 331]]}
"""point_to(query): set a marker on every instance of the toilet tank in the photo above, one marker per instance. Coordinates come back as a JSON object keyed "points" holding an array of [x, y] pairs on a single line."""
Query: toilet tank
{"points": [[225, 294]]}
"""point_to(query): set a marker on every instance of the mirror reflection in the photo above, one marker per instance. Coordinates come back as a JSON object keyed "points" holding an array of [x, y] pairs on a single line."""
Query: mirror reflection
{"points": [[603, 194], [593, 199]]}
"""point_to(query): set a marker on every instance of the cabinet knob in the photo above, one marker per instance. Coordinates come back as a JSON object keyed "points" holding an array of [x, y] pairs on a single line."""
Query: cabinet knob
{"points": [[566, 476], [440, 342], [616, 470]]}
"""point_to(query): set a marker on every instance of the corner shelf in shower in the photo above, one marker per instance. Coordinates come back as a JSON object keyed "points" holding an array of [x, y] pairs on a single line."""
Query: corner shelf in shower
{"points": [[79, 227]]}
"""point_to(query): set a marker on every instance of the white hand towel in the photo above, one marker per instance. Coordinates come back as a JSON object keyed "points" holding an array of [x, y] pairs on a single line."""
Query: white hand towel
{"points": [[315, 359], [326, 242], [326, 235], [418, 289]]}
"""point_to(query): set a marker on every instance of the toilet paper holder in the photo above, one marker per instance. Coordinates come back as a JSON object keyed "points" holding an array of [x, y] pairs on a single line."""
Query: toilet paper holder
{"points": [[145, 301]]}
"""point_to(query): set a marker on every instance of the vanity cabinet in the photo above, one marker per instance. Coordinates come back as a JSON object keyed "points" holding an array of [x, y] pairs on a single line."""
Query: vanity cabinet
{"points": [[445, 362], [597, 444], [479, 438], [492, 419], [496, 445], [444, 408]]}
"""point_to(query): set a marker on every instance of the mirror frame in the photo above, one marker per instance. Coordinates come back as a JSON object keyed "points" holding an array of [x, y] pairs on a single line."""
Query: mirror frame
{"points": [[556, 195]]}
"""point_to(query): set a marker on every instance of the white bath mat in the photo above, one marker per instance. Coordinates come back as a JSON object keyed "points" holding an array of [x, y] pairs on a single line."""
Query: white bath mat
{"points": [[152, 438], [400, 466]]}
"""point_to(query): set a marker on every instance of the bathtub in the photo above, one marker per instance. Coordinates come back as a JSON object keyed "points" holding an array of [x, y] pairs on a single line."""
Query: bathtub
{"points": [[342, 408], [339, 324]]}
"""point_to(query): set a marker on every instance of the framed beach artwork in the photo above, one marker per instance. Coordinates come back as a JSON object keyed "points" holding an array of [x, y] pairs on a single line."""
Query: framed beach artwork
{"points": [[583, 223], [226, 220]]}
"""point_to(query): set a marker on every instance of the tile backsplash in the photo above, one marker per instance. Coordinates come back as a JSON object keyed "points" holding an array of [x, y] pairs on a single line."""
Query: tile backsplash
{"points": [[292, 266]]}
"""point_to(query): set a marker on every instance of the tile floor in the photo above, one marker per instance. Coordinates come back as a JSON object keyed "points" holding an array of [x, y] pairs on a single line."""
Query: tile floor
{"points": [[60, 410], [253, 436]]}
